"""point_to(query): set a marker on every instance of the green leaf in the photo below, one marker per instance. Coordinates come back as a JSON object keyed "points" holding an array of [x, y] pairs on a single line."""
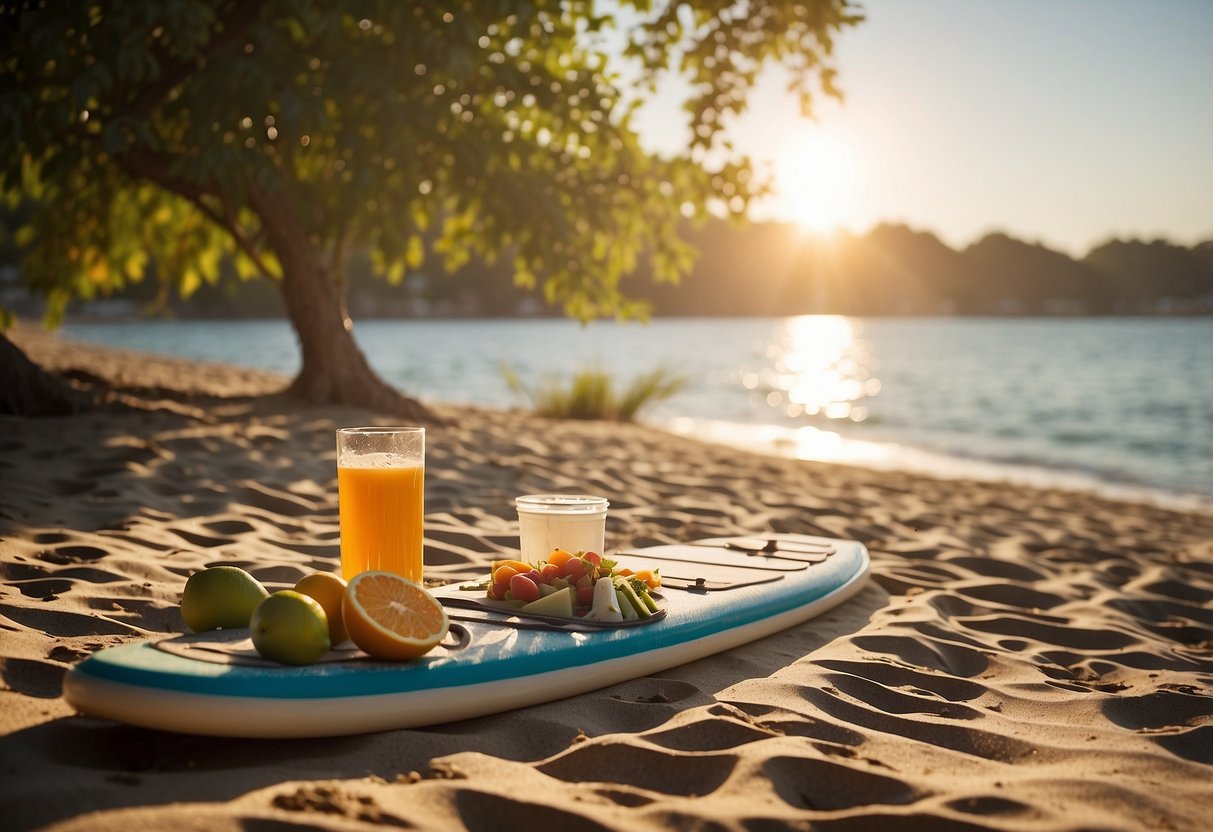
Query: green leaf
{"points": [[189, 282], [416, 252]]}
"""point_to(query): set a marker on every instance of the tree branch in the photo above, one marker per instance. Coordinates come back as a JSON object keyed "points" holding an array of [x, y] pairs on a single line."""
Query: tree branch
{"points": [[154, 168]]}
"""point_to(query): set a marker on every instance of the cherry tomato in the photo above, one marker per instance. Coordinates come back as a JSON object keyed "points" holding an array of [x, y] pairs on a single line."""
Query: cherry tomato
{"points": [[585, 595], [523, 589], [574, 569]]}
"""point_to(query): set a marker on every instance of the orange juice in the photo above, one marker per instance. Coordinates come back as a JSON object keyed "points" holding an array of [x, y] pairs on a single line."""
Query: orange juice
{"points": [[381, 508]]}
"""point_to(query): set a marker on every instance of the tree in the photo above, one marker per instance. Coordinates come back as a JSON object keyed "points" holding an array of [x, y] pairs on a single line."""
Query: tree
{"points": [[1004, 275], [284, 136], [1141, 275]]}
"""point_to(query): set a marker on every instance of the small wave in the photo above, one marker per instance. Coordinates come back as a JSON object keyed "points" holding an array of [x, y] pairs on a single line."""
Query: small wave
{"points": [[1076, 438]]}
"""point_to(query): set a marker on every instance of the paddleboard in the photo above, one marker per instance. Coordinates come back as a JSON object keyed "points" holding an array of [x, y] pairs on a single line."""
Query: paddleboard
{"points": [[716, 594]]}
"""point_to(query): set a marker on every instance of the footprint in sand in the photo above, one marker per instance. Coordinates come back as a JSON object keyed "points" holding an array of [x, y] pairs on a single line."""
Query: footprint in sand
{"points": [[73, 554], [710, 733], [653, 769], [825, 785]]}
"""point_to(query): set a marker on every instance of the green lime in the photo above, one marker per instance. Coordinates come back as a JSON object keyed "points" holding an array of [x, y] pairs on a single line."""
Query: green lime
{"points": [[290, 627], [220, 597]]}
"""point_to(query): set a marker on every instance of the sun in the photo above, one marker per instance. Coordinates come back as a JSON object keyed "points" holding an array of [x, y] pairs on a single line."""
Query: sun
{"points": [[817, 178]]}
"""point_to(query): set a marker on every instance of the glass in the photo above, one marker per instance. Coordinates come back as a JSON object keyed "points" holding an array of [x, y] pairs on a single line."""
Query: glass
{"points": [[381, 499], [574, 522]]}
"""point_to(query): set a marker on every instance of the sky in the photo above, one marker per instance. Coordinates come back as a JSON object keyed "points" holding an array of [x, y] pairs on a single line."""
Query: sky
{"points": [[1062, 122]]}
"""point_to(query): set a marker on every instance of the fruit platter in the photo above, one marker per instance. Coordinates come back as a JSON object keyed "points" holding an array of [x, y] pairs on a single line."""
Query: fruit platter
{"points": [[579, 586]]}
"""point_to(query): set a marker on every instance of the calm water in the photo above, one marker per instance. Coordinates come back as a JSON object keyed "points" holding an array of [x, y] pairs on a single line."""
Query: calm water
{"points": [[1121, 405]]}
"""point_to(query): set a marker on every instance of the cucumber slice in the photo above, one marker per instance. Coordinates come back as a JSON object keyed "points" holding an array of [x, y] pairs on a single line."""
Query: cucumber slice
{"points": [[624, 590], [625, 607], [647, 600]]}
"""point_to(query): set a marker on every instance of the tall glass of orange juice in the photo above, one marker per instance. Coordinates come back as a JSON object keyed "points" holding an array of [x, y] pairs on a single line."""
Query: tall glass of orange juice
{"points": [[381, 499]]}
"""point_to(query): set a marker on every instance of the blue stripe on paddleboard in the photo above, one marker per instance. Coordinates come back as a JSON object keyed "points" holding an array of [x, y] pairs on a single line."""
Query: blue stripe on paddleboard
{"points": [[691, 617]]}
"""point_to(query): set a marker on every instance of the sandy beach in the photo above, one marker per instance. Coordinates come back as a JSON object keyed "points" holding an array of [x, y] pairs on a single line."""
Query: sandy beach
{"points": [[1023, 659]]}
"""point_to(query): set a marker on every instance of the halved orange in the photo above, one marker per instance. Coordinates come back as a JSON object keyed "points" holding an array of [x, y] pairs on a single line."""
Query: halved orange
{"points": [[392, 618]]}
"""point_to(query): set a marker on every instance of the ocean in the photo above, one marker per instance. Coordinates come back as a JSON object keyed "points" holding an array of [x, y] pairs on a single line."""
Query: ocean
{"points": [[1121, 406]]}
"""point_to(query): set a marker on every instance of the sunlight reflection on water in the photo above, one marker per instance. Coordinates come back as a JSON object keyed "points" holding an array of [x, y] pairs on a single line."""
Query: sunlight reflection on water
{"points": [[819, 366]]}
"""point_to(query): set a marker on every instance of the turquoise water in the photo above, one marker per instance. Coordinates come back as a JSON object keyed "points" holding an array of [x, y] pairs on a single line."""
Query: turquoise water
{"points": [[1118, 405]]}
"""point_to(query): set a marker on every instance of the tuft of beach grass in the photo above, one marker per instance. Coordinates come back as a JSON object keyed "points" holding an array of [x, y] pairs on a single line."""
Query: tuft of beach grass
{"points": [[593, 393]]}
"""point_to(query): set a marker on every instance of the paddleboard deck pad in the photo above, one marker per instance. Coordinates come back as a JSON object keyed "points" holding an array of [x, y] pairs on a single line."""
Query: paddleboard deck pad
{"points": [[716, 594]]}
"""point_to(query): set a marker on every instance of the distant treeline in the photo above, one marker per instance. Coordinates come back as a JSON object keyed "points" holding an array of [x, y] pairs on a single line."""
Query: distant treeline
{"points": [[772, 269]]}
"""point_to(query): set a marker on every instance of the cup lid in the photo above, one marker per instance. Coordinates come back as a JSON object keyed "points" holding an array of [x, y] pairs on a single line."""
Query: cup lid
{"points": [[562, 504]]}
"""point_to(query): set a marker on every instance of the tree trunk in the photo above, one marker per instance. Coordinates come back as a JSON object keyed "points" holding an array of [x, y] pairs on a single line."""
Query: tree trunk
{"points": [[28, 390], [334, 369]]}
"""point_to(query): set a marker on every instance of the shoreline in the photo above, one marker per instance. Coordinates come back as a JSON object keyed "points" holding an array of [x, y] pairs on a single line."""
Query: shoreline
{"points": [[1023, 659], [828, 447]]}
